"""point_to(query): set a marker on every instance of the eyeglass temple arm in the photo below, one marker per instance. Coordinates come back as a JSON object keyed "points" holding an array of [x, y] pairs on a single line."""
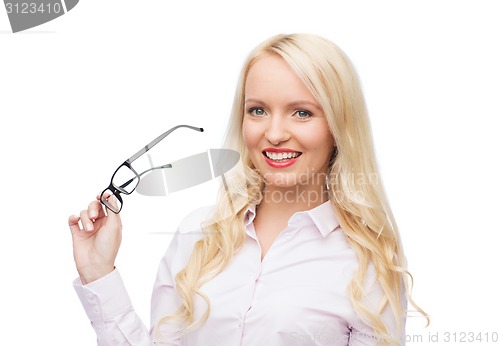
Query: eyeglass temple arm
{"points": [[168, 165], [158, 139]]}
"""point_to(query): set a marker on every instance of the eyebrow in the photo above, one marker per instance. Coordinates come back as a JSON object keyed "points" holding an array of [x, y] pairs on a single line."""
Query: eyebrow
{"points": [[291, 104]]}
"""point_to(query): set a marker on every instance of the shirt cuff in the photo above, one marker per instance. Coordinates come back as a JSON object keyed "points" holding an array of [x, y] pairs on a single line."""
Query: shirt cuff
{"points": [[104, 298]]}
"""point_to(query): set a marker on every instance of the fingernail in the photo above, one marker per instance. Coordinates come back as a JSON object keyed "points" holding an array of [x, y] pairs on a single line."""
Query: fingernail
{"points": [[92, 214], [90, 227]]}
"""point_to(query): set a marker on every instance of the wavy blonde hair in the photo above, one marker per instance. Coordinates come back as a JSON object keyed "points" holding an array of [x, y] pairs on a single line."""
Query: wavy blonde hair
{"points": [[356, 191]]}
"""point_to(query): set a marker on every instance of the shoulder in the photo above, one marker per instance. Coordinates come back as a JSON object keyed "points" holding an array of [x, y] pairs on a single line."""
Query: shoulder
{"points": [[339, 243], [188, 233], [351, 255], [190, 229], [192, 222]]}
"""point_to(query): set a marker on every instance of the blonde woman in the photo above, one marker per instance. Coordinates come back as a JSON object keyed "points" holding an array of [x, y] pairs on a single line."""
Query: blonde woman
{"points": [[301, 247]]}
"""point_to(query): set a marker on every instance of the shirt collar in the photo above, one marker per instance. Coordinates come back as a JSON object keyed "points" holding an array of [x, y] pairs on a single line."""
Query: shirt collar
{"points": [[323, 217], [249, 214]]}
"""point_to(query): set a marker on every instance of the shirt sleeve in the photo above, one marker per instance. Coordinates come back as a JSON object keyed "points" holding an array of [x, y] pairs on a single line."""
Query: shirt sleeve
{"points": [[165, 300], [109, 309], [110, 312]]}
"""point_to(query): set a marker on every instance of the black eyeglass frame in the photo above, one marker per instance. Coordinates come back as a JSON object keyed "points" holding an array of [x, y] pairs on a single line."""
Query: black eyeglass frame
{"points": [[117, 190]]}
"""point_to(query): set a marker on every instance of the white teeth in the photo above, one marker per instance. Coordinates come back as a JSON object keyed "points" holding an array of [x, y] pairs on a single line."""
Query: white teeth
{"points": [[281, 156]]}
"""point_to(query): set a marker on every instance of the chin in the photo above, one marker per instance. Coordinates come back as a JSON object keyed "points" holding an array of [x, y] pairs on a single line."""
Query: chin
{"points": [[280, 179]]}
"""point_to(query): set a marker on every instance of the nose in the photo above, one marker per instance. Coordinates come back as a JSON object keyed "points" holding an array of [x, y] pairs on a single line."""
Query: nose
{"points": [[277, 131]]}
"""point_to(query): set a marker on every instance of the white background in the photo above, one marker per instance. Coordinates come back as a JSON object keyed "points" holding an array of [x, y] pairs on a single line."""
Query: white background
{"points": [[80, 94]]}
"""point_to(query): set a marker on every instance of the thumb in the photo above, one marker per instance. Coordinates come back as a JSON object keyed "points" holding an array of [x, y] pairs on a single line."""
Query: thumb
{"points": [[112, 203], [113, 206]]}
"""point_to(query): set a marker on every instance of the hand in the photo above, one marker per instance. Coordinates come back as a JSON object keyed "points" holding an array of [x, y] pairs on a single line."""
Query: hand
{"points": [[96, 245]]}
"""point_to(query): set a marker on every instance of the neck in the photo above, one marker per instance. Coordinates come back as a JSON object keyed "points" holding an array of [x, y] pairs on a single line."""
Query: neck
{"points": [[289, 200]]}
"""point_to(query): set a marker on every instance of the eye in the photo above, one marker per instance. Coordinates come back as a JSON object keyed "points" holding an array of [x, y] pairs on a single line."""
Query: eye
{"points": [[302, 114], [257, 111]]}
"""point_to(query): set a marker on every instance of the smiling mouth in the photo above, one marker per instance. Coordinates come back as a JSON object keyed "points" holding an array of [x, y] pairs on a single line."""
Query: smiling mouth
{"points": [[283, 156]]}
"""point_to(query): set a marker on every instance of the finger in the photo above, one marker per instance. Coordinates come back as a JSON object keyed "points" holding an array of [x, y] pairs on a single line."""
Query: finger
{"points": [[95, 210], [73, 223], [105, 194], [87, 224], [112, 200], [108, 197], [112, 216]]}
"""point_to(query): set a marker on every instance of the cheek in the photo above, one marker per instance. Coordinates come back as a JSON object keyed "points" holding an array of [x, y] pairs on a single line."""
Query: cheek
{"points": [[313, 140], [320, 144], [249, 136]]}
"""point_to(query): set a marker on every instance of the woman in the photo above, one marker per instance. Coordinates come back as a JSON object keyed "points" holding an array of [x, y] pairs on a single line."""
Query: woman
{"points": [[301, 248]]}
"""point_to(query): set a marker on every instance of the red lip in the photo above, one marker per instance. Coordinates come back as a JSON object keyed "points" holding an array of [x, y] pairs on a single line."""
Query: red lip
{"points": [[280, 150], [280, 164]]}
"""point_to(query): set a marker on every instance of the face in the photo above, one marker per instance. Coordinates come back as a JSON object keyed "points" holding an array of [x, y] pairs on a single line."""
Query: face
{"points": [[284, 127]]}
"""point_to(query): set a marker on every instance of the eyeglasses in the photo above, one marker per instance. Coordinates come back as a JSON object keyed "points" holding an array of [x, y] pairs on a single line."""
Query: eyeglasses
{"points": [[125, 179]]}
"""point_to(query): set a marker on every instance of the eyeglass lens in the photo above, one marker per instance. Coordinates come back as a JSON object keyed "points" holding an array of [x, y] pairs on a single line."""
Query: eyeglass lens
{"points": [[125, 180]]}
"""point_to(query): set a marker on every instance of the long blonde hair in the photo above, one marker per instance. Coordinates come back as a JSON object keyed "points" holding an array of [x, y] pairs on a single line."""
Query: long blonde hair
{"points": [[356, 190]]}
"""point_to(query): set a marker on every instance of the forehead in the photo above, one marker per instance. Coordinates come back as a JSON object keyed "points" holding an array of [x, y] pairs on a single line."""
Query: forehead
{"points": [[270, 75]]}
